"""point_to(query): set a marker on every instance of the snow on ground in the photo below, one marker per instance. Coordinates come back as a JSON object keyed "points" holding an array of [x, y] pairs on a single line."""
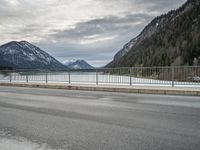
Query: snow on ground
{"points": [[9, 142], [20, 144]]}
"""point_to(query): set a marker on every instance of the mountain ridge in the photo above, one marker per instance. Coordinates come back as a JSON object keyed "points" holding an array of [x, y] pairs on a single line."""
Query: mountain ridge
{"points": [[24, 55], [157, 44]]}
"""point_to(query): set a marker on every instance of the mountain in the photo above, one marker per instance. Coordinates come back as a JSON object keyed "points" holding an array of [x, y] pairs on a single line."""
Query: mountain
{"points": [[170, 39], [23, 55], [78, 64]]}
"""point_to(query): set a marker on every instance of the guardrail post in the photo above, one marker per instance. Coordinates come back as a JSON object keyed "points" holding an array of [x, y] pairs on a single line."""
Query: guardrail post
{"points": [[10, 77], [173, 76], [46, 77], [130, 71], [97, 82], [69, 77], [27, 78]]}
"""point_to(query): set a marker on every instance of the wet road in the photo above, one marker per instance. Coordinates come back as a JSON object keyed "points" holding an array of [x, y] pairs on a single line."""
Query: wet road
{"points": [[77, 120]]}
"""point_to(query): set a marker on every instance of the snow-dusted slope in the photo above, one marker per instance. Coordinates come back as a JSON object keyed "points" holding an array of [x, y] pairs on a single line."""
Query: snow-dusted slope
{"points": [[169, 39], [148, 31], [77, 64], [125, 49], [23, 55]]}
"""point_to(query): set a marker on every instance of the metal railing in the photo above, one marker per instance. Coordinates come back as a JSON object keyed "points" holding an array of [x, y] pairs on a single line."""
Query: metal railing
{"points": [[166, 76]]}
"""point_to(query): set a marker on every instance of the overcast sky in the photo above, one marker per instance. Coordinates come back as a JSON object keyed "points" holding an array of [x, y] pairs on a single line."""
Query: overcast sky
{"points": [[93, 30]]}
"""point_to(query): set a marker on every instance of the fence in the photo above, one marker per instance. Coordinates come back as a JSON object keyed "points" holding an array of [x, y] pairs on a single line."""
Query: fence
{"points": [[165, 76]]}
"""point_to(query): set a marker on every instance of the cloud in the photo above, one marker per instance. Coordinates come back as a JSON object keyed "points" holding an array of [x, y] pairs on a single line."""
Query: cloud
{"points": [[96, 40], [102, 28], [80, 29]]}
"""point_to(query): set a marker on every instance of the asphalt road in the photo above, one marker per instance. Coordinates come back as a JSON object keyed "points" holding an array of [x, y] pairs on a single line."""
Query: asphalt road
{"points": [[77, 120]]}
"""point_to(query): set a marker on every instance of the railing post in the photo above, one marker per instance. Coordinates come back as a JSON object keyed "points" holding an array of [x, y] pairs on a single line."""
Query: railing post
{"points": [[10, 77], [69, 77], [130, 71], [46, 77], [97, 82], [27, 78], [172, 76]]}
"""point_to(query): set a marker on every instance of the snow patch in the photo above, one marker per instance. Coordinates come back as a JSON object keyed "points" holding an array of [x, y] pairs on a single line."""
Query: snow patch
{"points": [[20, 144]]}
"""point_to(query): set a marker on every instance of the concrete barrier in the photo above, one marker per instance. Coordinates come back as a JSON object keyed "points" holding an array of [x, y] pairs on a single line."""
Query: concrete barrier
{"points": [[121, 89]]}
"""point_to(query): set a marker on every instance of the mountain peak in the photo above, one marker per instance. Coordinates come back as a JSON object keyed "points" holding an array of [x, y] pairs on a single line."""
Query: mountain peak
{"points": [[24, 42], [17, 43], [81, 61], [24, 55], [77, 64]]}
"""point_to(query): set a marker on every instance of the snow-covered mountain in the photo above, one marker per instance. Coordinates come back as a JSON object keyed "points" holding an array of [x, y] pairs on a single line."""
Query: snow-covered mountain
{"points": [[77, 64], [23, 55]]}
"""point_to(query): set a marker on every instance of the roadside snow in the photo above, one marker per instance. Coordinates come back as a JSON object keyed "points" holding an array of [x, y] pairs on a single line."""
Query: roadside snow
{"points": [[21, 144]]}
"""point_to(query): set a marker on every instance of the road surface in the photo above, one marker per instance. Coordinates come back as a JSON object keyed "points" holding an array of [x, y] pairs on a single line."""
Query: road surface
{"points": [[47, 119]]}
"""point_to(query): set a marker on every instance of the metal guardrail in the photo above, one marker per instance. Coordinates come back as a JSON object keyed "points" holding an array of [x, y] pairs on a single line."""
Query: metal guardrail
{"points": [[166, 76]]}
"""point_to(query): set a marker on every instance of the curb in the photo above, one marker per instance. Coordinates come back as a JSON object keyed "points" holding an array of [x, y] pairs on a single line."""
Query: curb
{"points": [[140, 90]]}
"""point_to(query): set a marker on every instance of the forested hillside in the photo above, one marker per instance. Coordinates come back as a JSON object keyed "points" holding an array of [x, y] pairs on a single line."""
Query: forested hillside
{"points": [[170, 39]]}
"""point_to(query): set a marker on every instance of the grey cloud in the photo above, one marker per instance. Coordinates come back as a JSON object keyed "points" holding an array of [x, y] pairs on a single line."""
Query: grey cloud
{"points": [[160, 5], [150, 5], [109, 25]]}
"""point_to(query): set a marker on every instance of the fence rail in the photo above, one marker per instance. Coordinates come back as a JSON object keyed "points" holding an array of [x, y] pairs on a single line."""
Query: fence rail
{"points": [[166, 76]]}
